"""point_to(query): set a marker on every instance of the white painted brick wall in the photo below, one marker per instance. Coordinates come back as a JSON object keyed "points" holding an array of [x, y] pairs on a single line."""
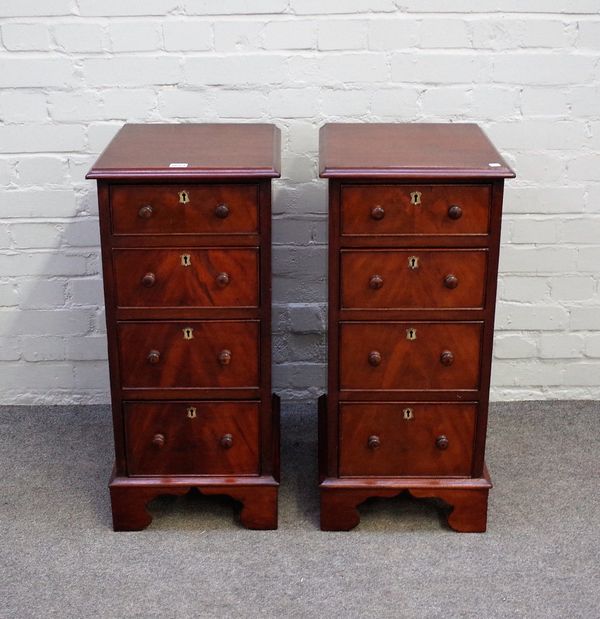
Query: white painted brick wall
{"points": [[72, 71]]}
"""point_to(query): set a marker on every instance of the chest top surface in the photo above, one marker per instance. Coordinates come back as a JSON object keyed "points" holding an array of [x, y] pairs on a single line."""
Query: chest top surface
{"points": [[409, 150], [190, 151]]}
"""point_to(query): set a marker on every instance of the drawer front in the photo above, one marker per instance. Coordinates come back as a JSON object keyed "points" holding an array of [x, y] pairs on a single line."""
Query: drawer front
{"points": [[184, 209], [192, 438], [404, 439], [410, 355], [415, 209], [182, 277], [413, 279], [192, 354]]}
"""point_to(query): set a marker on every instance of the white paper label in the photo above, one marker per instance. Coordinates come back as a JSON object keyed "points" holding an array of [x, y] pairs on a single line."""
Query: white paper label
{"points": [[178, 165]]}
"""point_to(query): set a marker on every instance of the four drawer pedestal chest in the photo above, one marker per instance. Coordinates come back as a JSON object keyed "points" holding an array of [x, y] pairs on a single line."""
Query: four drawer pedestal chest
{"points": [[185, 218], [414, 235]]}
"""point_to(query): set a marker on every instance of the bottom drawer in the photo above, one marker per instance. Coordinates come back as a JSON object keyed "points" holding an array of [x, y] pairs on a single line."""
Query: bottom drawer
{"points": [[192, 438], [396, 439]]}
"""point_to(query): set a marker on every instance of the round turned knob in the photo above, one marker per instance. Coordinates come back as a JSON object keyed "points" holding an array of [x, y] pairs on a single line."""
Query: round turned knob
{"points": [[158, 440], [455, 212], [226, 441], [222, 279], [146, 211], [374, 358], [222, 211], [447, 358], [374, 442], [441, 442], [451, 281], [376, 282], [225, 357], [378, 213], [149, 280], [153, 356]]}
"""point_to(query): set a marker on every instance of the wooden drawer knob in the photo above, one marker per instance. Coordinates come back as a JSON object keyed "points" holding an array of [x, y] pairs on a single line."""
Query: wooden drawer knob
{"points": [[375, 358], [158, 440], [149, 280], [376, 282], [225, 357], [451, 281], [146, 211], [374, 442], [441, 442], [222, 211], [226, 441], [223, 279], [378, 213], [153, 357], [447, 358], [455, 212]]}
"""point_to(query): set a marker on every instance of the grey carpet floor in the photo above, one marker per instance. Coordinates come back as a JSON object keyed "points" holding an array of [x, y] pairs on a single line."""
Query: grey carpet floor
{"points": [[539, 558]]}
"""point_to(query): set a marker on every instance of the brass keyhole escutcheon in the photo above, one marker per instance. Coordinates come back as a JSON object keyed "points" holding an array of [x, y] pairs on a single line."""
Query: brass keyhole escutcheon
{"points": [[188, 333], [184, 197], [191, 412], [186, 260], [411, 334], [408, 414], [415, 197], [413, 263]]}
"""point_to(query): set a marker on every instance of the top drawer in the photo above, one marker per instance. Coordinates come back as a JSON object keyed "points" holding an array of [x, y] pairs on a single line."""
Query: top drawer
{"points": [[184, 209], [415, 209]]}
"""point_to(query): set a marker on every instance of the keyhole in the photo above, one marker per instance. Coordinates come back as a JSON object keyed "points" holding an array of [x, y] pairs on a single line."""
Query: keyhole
{"points": [[408, 413], [183, 197], [413, 263], [411, 334], [188, 333], [186, 260], [191, 412], [415, 197]]}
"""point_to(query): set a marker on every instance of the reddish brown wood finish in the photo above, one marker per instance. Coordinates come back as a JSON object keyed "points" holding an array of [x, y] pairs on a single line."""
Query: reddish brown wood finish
{"points": [[413, 279], [210, 438], [157, 209], [151, 298], [409, 439], [373, 170], [409, 364], [388, 210], [200, 362], [190, 278]]}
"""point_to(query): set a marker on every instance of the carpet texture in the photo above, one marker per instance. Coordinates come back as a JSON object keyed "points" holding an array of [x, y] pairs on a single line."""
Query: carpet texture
{"points": [[539, 558]]}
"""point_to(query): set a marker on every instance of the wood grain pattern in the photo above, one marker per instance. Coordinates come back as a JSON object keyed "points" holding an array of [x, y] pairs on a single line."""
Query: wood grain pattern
{"points": [[407, 433], [396, 191], [206, 278], [189, 363], [414, 150], [210, 151], [194, 440], [398, 216], [409, 364], [388, 279], [157, 209], [222, 222]]}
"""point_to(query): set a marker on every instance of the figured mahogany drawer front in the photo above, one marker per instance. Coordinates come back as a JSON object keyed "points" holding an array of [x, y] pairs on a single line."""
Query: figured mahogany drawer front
{"points": [[404, 439], [192, 438], [413, 278], [192, 354], [415, 209], [410, 355], [186, 277], [184, 209]]}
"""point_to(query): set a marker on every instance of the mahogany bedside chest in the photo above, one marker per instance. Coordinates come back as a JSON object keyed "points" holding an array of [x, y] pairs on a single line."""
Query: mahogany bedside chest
{"points": [[185, 216], [414, 234]]}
